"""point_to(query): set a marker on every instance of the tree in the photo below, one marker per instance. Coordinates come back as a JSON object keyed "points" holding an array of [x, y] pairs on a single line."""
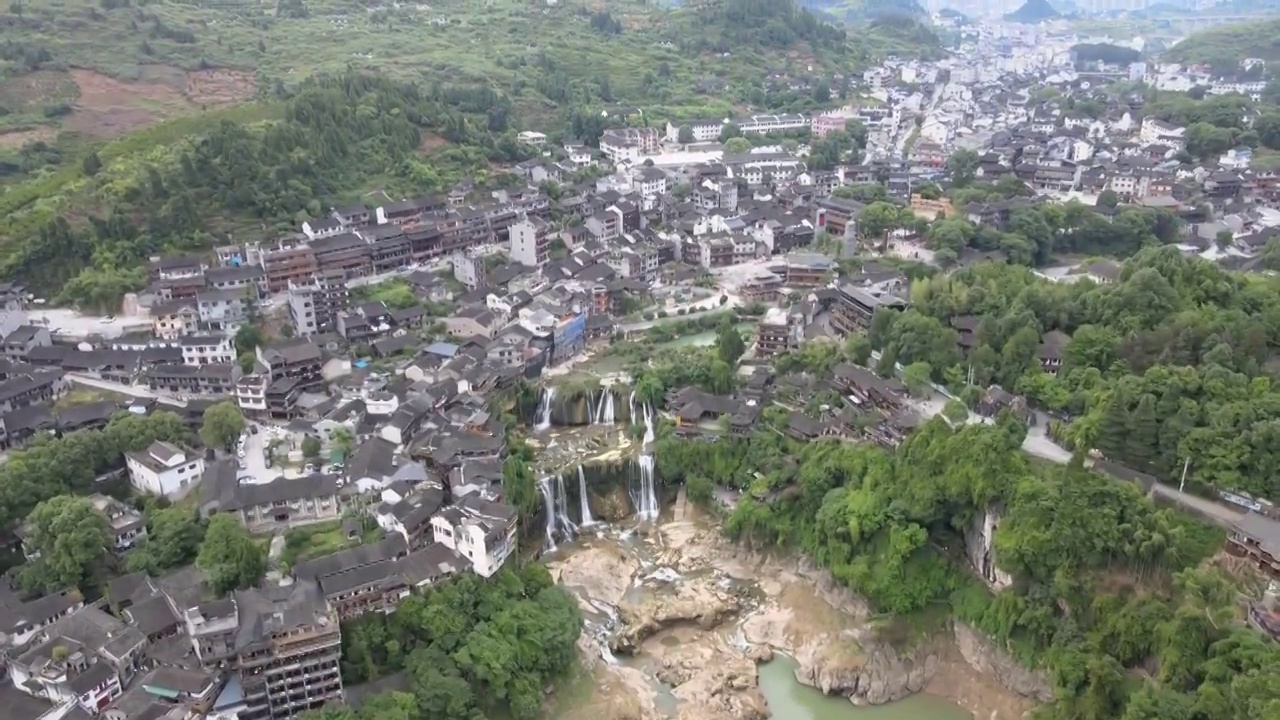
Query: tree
{"points": [[962, 165], [686, 135], [917, 378], [70, 538], [729, 345], [737, 146], [91, 164], [1223, 239], [223, 425], [955, 411], [729, 131], [173, 539], [248, 338], [311, 447], [858, 349], [1271, 255], [343, 441], [247, 361], [878, 219], [519, 486], [1108, 199], [229, 556]]}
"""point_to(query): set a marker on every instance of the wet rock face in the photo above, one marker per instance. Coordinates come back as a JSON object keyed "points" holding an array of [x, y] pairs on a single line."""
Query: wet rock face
{"points": [[611, 503], [990, 660], [876, 673], [699, 602]]}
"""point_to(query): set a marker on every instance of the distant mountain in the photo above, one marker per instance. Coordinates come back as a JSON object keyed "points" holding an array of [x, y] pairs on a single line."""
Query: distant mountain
{"points": [[956, 15], [1032, 12]]}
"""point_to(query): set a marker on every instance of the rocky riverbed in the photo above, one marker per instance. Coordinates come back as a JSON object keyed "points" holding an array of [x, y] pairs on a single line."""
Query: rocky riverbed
{"points": [[678, 618]]}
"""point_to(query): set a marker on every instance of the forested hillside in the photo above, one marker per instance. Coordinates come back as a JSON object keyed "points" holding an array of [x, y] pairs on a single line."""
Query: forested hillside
{"points": [[92, 224], [1109, 598], [1174, 362], [1259, 39]]}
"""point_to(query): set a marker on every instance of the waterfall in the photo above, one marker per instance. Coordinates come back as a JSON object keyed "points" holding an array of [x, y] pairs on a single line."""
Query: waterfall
{"points": [[567, 527], [606, 409], [549, 508], [587, 520], [647, 498], [544, 408], [631, 404]]}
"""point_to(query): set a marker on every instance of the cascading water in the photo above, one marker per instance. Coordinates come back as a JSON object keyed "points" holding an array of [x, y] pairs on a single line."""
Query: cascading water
{"points": [[587, 520], [646, 500], [544, 408], [549, 509], [567, 526], [605, 416], [631, 407]]}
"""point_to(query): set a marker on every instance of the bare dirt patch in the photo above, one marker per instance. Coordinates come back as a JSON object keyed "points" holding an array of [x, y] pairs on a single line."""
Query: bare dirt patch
{"points": [[33, 91], [108, 107], [22, 138], [219, 88], [431, 142]]}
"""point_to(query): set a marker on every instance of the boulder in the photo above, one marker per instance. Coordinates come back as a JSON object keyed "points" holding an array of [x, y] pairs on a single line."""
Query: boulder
{"points": [[699, 602]]}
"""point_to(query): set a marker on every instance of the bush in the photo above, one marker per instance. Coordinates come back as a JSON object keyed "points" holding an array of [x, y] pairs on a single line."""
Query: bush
{"points": [[682, 311], [724, 299], [648, 316], [662, 313]]}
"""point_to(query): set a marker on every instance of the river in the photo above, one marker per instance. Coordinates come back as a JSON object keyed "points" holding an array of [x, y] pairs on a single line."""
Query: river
{"points": [[790, 700]]}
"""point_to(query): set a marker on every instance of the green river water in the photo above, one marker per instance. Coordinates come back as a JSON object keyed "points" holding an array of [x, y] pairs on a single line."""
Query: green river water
{"points": [[789, 700]]}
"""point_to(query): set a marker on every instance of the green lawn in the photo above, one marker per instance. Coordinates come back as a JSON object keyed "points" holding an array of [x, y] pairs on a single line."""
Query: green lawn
{"points": [[313, 541]]}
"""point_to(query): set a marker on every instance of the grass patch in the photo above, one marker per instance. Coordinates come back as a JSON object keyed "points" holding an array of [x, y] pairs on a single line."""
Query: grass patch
{"points": [[313, 541]]}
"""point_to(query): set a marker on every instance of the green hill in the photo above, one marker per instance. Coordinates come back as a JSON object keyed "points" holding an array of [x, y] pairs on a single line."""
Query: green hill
{"points": [[110, 110], [1230, 42]]}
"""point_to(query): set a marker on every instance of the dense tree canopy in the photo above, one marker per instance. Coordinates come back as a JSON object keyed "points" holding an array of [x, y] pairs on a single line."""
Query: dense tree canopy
{"points": [[1172, 362], [229, 555], [69, 464], [890, 526], [471, 644], [70, 538]]}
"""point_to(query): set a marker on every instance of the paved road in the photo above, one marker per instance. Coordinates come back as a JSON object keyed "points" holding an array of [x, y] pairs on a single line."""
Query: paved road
{"points": [[1220, 513], [115, 387]]}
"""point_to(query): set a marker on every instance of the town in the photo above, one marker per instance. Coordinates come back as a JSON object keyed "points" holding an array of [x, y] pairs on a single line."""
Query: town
{"points": [[347, 398]]}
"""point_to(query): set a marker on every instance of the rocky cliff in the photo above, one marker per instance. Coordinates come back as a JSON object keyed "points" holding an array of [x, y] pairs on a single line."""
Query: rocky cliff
{"points": [[990, 660]]}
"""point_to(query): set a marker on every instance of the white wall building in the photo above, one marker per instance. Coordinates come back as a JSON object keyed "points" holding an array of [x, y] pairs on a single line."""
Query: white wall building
{"points": [[164, 469]]}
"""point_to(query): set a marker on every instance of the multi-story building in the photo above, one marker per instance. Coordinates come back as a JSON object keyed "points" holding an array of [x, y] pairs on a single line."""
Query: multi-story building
{"points": [[85, 658], [200, 350], [854, 307], [288, 265], [530, 242], [285, 502], [1257, 537], [314, 306], [778, 333], [347, 253], [703, 130], [164, 469], [175, 319], [481, 531], [283, 642], [298, 360], [764, 124], [619, 144], [837, 217], [223, 309]]}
